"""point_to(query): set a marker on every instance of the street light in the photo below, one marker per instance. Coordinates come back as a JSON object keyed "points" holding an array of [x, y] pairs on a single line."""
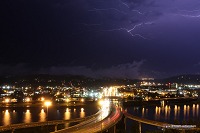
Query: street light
{"points": [[47, 104]]}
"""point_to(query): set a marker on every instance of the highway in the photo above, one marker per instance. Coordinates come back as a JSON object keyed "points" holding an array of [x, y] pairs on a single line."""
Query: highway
{"points": [[105, 120], [146, 121], [163, 125]]}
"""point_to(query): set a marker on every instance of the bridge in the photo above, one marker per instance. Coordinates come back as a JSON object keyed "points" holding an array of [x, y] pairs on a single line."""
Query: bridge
{"points": [[162, 125], [97, 124], [146, 121]]}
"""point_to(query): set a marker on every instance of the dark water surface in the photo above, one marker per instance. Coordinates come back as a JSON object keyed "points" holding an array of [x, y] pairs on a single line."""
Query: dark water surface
{"points": [[13, 115], [172, 113]]}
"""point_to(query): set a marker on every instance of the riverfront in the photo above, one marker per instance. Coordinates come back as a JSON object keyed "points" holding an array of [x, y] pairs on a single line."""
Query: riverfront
{"points": [[176, 112], [13, 114]]}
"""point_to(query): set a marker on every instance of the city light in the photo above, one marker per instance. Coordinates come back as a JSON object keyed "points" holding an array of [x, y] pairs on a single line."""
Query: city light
{"points": [[27, 99], [42, 98], [82, 100], [47, 103], [104, 103], [7, 100], [67, 100]]}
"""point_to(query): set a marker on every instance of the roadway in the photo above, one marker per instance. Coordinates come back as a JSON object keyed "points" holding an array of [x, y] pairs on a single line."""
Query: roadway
{"points": [[163, 125], [104, 121], [146, 121]]}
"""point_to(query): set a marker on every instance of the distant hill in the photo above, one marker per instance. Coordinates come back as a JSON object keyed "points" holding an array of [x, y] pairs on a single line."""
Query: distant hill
{"points": [[184, 79], [61, 80], [82, 81]]}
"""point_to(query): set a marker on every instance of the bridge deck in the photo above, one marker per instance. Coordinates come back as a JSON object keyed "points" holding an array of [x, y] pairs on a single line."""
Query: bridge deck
{"points": [[160, 124], [146, 121], [96, 124]]}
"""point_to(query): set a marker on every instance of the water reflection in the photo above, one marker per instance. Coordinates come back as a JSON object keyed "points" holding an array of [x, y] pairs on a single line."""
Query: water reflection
{"points": [[146, 113], [197, 110], [188, 110], [178, 111], [162, 103], [143, 112], [67, 114], [14, 115], [175, 112], [193, 110], [184, 111], [157, 113], [42, 116], [82, 113], [27, 118], [168, 113], [6, 118], [162, 109]]}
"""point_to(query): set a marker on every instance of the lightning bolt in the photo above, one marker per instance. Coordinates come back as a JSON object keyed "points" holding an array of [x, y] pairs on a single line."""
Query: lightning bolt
{"points": [[133, 10], [190, 16], [137, 11], [149, 23], [129, 31], [189, 13], [139, 36], [125, 4], [135, 27]]}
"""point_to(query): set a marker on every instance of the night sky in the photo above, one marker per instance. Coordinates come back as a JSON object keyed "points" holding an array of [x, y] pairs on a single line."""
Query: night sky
{"points": [[100, 38]]}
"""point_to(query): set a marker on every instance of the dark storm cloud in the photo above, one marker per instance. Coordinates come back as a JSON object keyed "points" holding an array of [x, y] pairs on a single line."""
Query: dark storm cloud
{"points": [[129, 70], [60, 36]]}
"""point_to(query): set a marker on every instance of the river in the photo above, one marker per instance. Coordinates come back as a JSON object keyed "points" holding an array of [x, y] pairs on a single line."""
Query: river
{"points": [[170, 113], [14, 115]]}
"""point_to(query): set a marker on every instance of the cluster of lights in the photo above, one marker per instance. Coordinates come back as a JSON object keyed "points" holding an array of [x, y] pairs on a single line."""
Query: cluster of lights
{"points": [[6, 87], [42, 99], [104, 103], [47, 103], [82, 100], [111, 91], [7, 100], [27, 99]]}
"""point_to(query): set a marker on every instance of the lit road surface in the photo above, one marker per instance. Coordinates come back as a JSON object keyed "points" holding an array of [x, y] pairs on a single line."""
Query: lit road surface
{"points": [[102, 122]]}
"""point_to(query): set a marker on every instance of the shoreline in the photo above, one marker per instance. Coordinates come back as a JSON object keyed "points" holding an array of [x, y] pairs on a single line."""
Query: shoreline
{"points": [[68, 104], [158, 102]]}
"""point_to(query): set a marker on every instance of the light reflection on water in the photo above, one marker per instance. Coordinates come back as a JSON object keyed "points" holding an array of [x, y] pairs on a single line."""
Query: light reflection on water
{"points": [[82, 113], [6, 118], [167, 113], [42, 116], [28, 115], [142, 112], [67, 114]]}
